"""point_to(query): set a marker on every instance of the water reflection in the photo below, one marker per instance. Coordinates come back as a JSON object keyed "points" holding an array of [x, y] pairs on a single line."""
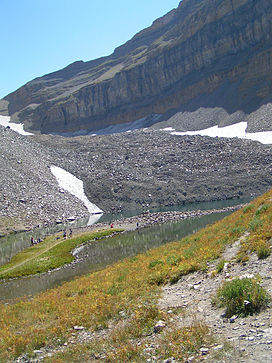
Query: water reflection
{"points": [[12, 244], [97, 255], [94, 218], [216, 204]]}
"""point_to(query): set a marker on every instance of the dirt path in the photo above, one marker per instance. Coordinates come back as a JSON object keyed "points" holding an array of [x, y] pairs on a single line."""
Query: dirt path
{"points": [[34, 256], [250, 337]]}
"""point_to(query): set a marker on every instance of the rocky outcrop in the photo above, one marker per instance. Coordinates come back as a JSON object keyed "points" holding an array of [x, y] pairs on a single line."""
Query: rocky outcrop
{"points": [[207, 53]]}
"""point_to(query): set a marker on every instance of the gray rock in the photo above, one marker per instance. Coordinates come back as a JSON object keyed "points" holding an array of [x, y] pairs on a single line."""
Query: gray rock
{"points": [[233, 318], [204, 351], [159, 326], [77, 327]]}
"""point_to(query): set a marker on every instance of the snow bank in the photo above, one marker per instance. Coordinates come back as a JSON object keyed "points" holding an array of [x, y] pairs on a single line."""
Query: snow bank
{"points": [[5, 121], [236, 130], [265, 137], [74, 186]]}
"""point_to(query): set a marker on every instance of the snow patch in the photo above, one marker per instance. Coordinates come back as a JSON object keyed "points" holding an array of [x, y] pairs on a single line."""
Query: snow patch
{"points": [[19, 128], [74, 186], [236, 130], [265, 137]]}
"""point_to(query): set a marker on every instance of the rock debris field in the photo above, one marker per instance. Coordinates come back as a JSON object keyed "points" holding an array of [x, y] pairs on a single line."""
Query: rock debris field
{"points": [[151, 168], [28, 189], [128, 171]]}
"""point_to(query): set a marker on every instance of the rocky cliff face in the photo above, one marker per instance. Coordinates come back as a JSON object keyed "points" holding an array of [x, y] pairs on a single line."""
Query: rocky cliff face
{"points": [[205, 53]]}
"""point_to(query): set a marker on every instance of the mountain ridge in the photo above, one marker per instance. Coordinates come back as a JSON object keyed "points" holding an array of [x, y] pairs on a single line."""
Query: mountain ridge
{"points": [[200, 48]]}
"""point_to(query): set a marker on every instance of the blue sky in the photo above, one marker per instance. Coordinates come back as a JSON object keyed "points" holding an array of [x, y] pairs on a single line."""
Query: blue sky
{"points": [[42, 36]]}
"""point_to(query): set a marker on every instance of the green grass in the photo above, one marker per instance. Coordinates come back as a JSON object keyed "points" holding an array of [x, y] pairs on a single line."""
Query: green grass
{"points": [[242, 297], [220, 266], [52, 253], [263, 250]]}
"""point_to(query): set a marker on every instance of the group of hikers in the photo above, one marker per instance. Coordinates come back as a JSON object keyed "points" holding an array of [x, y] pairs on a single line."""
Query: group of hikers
{"points": [[38, 240], [34, 242]]}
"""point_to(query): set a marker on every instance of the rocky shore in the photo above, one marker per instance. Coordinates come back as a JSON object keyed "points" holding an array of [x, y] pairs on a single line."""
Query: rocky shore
{"points": [[149, 219]]}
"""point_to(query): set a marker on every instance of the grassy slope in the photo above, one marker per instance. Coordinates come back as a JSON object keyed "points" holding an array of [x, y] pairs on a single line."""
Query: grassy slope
{"points": [[53, 252], [132, 288]]}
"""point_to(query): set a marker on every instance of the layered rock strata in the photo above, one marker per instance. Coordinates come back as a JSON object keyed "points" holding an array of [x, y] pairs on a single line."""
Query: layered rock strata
{"points": [[207, 53]]}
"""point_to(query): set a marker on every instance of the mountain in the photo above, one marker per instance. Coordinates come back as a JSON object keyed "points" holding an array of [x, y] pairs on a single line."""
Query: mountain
{"points": [[205, 53]]}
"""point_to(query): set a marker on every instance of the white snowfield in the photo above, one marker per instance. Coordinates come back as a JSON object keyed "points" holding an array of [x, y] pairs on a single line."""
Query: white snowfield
{"points": [[65, 180], [5, 121], [74, 186], [236, 130]]}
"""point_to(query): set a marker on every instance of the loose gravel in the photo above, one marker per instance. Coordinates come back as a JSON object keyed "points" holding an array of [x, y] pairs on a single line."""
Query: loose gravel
{"points": [[28, 189], [139, 170]]}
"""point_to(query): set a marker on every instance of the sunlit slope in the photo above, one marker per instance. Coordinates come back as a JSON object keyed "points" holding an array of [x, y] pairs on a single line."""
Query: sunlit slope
{"points": [[127, 293]]}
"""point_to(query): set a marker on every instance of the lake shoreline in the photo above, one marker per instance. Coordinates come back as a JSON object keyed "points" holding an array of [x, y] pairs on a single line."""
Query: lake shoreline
{"points": [[140, 222], [148, 219]]}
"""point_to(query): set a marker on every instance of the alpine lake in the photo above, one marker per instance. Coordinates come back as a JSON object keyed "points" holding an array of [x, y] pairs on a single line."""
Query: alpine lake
{"points": [[96, 255]]}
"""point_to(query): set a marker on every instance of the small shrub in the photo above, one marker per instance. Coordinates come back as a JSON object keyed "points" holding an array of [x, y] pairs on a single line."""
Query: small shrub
{"points": [[255, 223], [261, 209], [248, 208], [241, 297], [157, 278], [237, 231], [242, 257], [173, 260], [263, 251], [155, 263], [220, 266]]}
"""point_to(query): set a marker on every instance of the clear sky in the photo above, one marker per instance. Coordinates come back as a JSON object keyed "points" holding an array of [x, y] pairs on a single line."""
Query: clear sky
{"points": [[42, 36]]}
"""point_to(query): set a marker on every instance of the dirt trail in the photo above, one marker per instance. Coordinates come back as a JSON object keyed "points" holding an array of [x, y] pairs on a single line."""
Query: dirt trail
{"points": [[35, 256], [250, 337]]}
